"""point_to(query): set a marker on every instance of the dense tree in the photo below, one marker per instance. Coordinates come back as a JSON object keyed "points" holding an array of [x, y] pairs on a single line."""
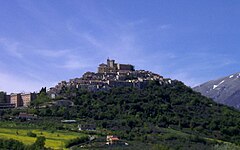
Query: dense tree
{"points": [[10, 144], [169, 105], [43, 90], [40, 142], [41, 99], [146, 114]]}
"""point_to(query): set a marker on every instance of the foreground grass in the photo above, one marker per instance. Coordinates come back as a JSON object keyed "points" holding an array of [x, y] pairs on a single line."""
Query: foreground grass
{"points": [[55, 140]]}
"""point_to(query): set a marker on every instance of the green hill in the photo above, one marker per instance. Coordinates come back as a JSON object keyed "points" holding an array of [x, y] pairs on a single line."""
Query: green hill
{"points": [[158, 117], [166, 114]]}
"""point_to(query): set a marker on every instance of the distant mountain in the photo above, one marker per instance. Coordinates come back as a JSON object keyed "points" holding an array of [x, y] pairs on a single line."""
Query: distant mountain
{"points": [[225, 90]]}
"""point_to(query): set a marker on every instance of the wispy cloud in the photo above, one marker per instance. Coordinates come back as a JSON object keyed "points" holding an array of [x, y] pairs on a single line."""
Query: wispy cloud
{"points": [[187, 78], [164, 27], [57, 43], [194, 68], [120, 43], [52, 53], [74, 63], [29, 72], [92, 40], [11, 47], [13, 84]]}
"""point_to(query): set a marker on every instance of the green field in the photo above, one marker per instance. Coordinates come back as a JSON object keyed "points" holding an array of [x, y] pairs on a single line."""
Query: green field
{"points": [[55, 140]]}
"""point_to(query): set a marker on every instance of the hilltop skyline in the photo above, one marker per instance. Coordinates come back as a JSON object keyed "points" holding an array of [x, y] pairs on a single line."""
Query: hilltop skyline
{"points": [[44, 42]]}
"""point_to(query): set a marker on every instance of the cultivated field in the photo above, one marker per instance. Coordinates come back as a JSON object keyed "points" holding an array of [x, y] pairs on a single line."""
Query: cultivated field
{"points": [[54, 139]]}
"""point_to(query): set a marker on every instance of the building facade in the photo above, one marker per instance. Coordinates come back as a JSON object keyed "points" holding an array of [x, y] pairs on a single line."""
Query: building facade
{"points": [[16, 99], [23, 99], [27, 98]]}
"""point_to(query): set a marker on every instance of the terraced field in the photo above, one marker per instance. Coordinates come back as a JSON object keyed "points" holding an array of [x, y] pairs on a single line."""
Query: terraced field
{"points": [[55, 140]]}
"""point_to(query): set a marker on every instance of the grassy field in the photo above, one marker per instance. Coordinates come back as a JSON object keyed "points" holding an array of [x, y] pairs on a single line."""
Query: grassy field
{"points": [[55, 140]]}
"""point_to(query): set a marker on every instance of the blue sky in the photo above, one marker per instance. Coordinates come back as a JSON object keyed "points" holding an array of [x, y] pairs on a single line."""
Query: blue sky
{"points": [[43, 42]]}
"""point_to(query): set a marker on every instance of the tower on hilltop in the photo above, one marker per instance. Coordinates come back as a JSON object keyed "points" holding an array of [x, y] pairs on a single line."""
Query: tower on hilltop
{"points": [[110, 63], [112, 67]]}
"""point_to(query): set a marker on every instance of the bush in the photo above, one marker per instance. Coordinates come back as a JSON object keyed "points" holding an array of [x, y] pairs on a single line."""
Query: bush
{"points": [[160, 147], [197, 139], [11, 144], [31, 134], [225, 146], [38, 145], [76, 141]]}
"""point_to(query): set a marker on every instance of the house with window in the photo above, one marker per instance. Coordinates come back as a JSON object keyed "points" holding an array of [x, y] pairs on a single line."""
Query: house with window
{"points": [[112, 139]]}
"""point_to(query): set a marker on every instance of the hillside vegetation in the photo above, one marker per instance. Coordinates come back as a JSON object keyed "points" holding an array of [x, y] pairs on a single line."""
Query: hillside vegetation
{"points": [[167, 115], [141, 114]]}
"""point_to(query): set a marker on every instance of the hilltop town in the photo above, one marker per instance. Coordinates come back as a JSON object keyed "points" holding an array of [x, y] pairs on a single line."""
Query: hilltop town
{"points": [[109, 75], [118, 107]]}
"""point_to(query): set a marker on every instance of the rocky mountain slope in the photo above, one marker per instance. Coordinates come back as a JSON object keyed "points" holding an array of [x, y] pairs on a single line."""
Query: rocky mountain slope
{"points": [[225, 90]]}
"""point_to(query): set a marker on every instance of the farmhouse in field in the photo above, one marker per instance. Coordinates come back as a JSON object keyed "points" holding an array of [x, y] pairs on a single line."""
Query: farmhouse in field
{"points": [[112, 139]]}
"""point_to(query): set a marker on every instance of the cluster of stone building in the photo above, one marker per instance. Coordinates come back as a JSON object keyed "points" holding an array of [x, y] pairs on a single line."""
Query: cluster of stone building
{"points": [[109, 75], [18, 100]]}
